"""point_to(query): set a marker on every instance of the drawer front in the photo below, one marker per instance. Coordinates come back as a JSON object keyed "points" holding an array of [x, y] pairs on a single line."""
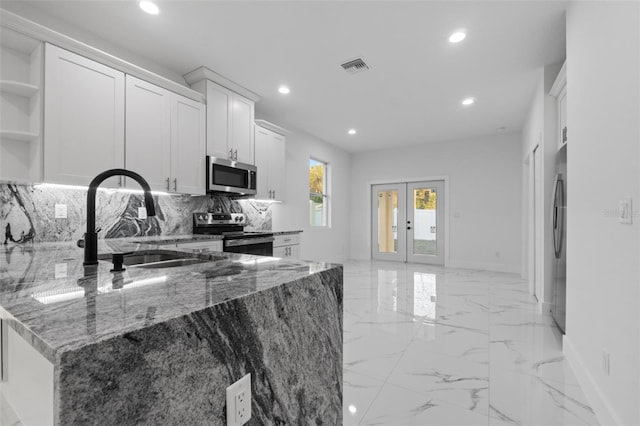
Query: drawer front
{"points": [[286, 240], [286, 252]]}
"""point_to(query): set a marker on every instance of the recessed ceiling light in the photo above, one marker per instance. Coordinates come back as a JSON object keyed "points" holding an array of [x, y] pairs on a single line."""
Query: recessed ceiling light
{"points": [[353, 409], [284, 90], [149, 7], [352, 131], [468, 101], [457, 37]]}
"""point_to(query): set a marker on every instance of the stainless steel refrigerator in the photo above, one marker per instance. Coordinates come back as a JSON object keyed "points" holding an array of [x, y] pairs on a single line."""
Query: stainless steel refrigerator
{"points": [[559, 294]]}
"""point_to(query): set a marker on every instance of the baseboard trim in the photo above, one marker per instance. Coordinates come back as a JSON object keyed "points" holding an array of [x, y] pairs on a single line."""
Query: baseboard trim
{"points": [[493, 267], [605, 413], [545, 307]]}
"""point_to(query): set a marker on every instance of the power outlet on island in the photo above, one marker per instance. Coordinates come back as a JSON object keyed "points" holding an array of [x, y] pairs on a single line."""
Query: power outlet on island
{"points": [[239, 402], [142, 212]]}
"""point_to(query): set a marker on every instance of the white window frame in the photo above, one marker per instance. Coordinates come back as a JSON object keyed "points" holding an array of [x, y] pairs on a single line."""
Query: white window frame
{"points": [[326, 185]]}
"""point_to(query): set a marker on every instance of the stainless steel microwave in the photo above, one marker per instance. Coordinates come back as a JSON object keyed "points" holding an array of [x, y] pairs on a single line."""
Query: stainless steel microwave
{"points": [[230, 176]]}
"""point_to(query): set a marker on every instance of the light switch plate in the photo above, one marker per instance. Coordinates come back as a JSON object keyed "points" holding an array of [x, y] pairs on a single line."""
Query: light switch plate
{"points": [[60, 211], [142, 212], [60, 270], [626, 210]]}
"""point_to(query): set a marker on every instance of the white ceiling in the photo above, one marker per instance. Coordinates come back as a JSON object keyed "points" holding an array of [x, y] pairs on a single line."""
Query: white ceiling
{"points": [[412, 93]]}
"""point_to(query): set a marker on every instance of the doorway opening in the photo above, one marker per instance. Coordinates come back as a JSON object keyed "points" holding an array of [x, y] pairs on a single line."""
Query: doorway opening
{"points": [[408, 222]]}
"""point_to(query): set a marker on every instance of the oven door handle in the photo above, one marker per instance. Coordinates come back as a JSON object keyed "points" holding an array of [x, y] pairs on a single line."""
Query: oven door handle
{"points": [[247, 241]]}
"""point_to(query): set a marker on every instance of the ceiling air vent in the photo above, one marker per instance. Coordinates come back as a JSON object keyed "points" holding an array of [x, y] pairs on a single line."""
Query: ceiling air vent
{"points": [[355, 66]]}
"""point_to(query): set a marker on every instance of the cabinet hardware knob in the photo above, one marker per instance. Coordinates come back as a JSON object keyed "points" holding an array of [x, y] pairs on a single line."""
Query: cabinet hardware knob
{"points": [[175, 184], [168, 184]]}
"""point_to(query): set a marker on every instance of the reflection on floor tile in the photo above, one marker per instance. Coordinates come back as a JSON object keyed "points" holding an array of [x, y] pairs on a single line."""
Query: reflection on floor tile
{"points": [[428, 345]]}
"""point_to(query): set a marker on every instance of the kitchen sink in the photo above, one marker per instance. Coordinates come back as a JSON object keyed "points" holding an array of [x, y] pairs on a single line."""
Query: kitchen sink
{"points": [[157, 259]]}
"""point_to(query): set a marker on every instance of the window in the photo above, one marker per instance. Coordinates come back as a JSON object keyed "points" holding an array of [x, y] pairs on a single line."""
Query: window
{"points": [[318, 193]]}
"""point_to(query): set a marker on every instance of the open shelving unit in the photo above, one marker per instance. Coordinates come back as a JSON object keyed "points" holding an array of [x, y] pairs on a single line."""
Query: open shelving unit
{"points": [[21, 77]]}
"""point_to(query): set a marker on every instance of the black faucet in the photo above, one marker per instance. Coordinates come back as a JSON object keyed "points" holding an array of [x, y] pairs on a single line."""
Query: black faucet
{"points": [[91, 236]]}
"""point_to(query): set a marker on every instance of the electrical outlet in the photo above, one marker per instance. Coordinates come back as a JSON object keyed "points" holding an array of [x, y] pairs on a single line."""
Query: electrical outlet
{"points": [[239, 402], [626, 210], [142, 212], [60, 211], [606, 362]]}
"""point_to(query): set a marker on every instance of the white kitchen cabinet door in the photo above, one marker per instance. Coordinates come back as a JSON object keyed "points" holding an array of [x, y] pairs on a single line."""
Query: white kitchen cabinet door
{"points": [[230, 118], [83, 118], [188, 146], [242, 132], [148, 133], [262, 145], [277, 167], [270, 161], [563, 135], [218, 119]]}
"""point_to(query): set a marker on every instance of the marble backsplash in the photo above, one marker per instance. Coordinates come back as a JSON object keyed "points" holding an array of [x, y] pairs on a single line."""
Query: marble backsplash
{"points": [[27, 213]]}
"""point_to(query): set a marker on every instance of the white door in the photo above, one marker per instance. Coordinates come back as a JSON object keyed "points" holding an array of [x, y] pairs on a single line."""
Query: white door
{"points": [[188, 146], [389, 235], [408, 222], [83, 118], [148, 133], [425, 222]]}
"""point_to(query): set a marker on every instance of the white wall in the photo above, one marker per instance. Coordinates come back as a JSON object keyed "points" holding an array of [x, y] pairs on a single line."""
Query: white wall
{"points": [[603, 276], [484, 191], [323, 244]]}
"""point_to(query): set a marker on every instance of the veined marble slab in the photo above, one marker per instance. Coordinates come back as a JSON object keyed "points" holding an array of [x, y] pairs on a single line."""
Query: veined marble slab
{"points": [[29, 213]]}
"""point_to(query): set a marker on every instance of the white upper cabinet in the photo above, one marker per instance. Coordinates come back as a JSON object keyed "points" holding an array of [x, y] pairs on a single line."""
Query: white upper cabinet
{"points": [[188, 146], [20, 107], [84, 118], [165, 138], [242, 136], [559, 90], [148, 133], [230, 116], [270, 161]]}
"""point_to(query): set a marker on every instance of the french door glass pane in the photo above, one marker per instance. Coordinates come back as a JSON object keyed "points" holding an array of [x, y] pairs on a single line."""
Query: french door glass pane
{"points": [[388, 221], [424, 217]]}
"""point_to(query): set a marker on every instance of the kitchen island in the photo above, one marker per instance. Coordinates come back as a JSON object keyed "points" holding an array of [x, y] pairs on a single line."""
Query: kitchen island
{"points": [[161, 345]]}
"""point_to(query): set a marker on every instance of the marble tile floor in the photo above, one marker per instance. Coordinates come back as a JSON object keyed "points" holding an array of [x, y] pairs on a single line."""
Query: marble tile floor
{"points": [[425, 345]]}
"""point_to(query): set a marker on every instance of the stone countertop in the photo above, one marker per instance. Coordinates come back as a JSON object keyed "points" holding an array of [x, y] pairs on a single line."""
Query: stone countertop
{"points": [[57, 305], [286, 232]]}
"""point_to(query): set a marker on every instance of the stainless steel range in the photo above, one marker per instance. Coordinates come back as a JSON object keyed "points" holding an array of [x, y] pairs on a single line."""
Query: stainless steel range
{"points": [[231, 227]]}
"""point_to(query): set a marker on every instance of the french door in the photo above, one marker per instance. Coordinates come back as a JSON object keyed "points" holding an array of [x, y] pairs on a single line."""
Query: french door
{"points": [[408, 222]]}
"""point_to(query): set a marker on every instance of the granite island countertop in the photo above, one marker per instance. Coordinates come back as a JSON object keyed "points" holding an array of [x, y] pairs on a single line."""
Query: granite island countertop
{"points": [[57, 304], [160, 346]]}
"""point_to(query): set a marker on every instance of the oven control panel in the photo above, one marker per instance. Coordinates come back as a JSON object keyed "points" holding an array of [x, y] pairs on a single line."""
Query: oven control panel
{"points": [[207, 219]]}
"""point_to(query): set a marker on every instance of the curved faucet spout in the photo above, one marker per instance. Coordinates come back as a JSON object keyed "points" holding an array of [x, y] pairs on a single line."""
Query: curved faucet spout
{"points": [[91, 236]]}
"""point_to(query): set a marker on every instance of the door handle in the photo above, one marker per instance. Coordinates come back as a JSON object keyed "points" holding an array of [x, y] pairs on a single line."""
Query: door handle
{"points": [[175, 184], [408, 228], [168, 188]]}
